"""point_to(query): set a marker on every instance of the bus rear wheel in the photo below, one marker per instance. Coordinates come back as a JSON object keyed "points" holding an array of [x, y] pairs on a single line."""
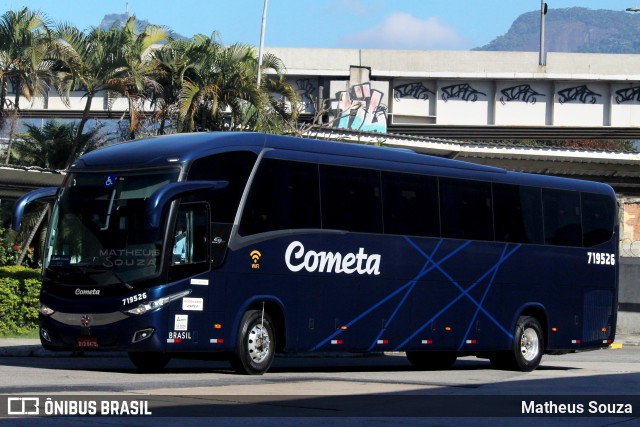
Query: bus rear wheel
{"points": [[255, 348], [432, 360], [149, 361], [528, 347]]}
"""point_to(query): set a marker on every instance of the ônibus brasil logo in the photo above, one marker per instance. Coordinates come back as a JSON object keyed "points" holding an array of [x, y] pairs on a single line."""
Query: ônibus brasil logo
{"points": [[297, 259]]}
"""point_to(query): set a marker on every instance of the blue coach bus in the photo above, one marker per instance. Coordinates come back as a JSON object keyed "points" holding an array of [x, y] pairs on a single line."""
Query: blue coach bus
{"points": [[243, 245]]}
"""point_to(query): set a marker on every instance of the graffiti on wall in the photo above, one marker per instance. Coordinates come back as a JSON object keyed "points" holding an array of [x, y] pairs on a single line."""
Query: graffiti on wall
{"points": [[411, 90], [360, 108], [628, 95], [463, 91], [578, 93], [306, 91], [523, 93]]}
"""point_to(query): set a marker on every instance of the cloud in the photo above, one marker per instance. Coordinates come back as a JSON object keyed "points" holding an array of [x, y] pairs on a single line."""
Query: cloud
{"points": [[357, 7], [404, 31]]}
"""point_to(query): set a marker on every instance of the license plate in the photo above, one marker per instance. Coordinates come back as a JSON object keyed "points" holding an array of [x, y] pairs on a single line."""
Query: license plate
{"points": [[87, 342]]}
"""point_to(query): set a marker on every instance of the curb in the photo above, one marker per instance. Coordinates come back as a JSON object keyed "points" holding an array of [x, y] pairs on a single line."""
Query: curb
{"points": [[16, 347], [38, 351]]}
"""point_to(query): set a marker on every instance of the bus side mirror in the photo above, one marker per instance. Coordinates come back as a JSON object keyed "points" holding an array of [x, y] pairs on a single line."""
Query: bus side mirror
{"points": [[32, 196], [160, 198]]}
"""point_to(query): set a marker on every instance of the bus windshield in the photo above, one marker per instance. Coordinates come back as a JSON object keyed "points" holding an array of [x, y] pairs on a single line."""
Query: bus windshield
{"points": [[98, 235]]}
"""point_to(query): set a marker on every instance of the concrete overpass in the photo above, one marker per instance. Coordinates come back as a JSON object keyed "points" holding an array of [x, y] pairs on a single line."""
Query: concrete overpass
{"points": [[447, 102], [446, 94], [472, 94]]}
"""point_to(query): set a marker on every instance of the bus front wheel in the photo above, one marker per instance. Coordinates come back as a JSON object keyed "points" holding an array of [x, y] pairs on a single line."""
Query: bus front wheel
{"points": [[149, 361], [256, 344], [528, 347]]}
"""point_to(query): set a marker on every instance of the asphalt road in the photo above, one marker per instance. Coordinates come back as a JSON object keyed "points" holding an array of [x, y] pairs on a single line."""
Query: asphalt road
{"points": [[371, 390]]}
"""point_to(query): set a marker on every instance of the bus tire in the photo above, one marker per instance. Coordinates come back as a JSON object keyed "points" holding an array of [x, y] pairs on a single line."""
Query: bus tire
{"points": [[432, 360], [528, 347], [149, 361], [256, 344]]}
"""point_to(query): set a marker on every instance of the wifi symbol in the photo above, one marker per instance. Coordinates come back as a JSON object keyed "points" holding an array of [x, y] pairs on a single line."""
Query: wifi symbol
{"points": [[255, 256]]}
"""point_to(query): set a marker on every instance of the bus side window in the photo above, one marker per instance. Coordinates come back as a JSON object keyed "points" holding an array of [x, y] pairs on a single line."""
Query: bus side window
{"points": [[233, 167], [465, 209], [562, 224], [284, 196], [598, 219], [189, 244], [350, 199], [410, 204], [517, 214]]}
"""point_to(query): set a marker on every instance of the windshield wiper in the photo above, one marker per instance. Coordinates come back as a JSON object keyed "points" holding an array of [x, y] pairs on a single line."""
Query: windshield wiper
{"points": [[97, 268], [124, 282], [94, 268]]}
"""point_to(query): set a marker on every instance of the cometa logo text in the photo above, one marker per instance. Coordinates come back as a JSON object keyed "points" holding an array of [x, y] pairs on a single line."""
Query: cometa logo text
{"points": [[87, 292], [297, 259]]}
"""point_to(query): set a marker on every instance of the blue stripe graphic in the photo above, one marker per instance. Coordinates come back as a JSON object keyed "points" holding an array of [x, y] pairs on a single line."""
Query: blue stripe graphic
{"points": [[407, 288]]}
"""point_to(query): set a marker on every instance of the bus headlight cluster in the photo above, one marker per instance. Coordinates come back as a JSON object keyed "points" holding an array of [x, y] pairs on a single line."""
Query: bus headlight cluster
{"points": [[156, 304], [45, 310]]}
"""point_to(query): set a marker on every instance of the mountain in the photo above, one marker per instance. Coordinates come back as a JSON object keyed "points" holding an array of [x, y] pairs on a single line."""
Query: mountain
{"points": [[575, 29], [120, 19]]}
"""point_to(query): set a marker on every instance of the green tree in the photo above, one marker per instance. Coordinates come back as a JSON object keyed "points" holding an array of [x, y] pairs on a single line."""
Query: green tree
{"points": [[54, 144], [49, 147], [137, 82], [220, 91], [92, 62], [281, 113], [170, 65], [24, 46]]}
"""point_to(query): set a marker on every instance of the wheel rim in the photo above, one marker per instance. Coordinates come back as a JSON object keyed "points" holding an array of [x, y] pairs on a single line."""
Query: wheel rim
{"points": [[529, 344], [259, 343]]}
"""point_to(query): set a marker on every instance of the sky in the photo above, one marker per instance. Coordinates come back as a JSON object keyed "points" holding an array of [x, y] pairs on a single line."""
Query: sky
{"points": [[365, 24]]}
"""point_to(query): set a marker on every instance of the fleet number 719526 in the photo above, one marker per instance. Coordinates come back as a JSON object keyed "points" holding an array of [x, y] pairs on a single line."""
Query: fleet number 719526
{"points": [[601, 258]]}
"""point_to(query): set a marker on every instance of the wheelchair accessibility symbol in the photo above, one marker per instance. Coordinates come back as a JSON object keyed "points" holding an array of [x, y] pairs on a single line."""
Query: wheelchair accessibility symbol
{"points": [[110, 181]]}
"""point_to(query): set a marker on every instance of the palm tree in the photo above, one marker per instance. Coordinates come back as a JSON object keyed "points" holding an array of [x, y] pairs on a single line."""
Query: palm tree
{"points": [[137, 82], [24, 44], [199, 87], [281, 112], [170, 65], [49, 147], [92, 62], [52, 145], [220, 91]]}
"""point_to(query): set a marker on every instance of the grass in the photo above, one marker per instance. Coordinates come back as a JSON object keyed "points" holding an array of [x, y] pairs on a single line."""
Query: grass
{"points": [[32, 334]]}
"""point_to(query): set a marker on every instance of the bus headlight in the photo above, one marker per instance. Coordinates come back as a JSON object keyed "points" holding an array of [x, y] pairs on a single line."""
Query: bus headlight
{"points": [[156, 304], [45, 310]]}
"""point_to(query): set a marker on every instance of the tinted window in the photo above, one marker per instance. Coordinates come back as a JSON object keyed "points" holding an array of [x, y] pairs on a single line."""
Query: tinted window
{"points": [[598, 217], [465, 209], [234, 167], [518, 214], [189, 247], [410, 204], [562, 217], [351, 199], [284, 195], [190, 235]]}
